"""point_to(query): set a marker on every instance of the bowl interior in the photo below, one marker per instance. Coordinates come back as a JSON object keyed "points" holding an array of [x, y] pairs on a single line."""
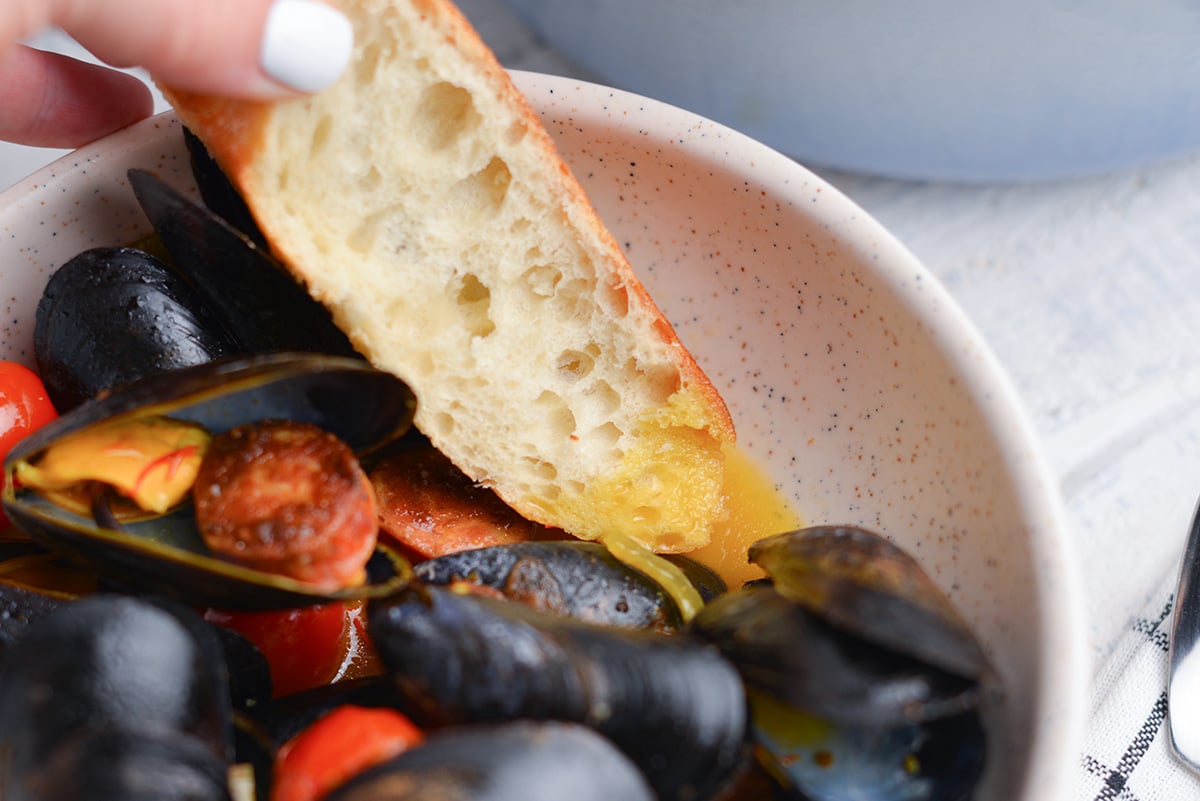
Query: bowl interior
{"points": [[851, 375]]}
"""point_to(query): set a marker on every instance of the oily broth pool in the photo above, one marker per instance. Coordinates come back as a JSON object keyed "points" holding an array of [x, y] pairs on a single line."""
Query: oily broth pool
{"points": [[757, 509]]}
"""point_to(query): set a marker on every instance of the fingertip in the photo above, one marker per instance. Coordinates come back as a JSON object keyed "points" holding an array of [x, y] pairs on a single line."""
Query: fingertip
{"points": [[254, 49], [306, 44], [52, 100]]}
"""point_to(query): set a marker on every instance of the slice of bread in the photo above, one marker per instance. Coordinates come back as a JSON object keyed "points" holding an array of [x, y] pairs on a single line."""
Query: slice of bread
{"points": [[422, 201]]}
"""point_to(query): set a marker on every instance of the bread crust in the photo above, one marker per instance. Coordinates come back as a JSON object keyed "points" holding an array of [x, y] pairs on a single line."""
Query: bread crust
{"points": [[687, 421]]}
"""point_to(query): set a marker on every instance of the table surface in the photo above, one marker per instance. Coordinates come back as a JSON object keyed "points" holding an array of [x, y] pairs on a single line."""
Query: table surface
{"points": [[1088, 291]]}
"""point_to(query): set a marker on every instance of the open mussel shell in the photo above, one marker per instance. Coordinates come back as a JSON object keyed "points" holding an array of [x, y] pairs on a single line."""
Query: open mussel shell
{"points": [[788, 654], [863, 681], [861, 583], [364, 407], [218, 192], [261, 304]]}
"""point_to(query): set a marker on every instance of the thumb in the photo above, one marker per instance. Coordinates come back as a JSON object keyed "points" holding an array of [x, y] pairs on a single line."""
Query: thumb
{"points": [[237, 48]]}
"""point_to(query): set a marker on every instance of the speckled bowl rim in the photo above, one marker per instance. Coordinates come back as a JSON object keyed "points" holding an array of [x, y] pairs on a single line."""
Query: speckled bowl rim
{"points": [[1061, 696]]}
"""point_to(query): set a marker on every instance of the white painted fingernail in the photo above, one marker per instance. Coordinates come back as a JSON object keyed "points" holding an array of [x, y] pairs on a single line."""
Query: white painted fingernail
{"points": [[306, 45]]}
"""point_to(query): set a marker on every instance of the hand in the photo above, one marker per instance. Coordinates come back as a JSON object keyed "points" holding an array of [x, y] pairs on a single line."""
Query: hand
{"points": [[264, 49]]}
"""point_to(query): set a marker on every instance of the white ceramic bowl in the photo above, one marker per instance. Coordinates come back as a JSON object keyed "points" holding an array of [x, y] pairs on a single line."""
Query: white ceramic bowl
{"points": [[851, 374], [942, 89]]}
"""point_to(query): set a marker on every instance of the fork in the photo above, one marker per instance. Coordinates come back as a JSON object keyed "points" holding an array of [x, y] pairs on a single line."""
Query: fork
{"points": [[1183, 681]]}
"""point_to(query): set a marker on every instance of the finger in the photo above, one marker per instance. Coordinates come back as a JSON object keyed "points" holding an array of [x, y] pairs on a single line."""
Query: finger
{"points": [[51, 100], [237, 48]]}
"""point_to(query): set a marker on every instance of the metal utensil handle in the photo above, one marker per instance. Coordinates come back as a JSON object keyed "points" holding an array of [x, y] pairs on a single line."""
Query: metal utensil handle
{"points": [[1183, 688]]}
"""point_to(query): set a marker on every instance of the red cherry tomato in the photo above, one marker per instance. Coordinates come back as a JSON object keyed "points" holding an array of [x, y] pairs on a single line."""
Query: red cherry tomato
{"points": [[336, 747], [307, 647], [24, 408]]}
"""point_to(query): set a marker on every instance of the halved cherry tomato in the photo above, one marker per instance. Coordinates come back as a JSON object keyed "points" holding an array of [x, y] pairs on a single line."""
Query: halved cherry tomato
{"points": [[338, 746], [308, 647], [24, 408]]}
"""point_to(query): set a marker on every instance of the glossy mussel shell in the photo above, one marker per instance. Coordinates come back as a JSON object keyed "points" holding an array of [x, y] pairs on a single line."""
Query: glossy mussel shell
{"points": [[112, 315], [364, 407], [671, 703], [862, 584], [849, 627], [257, 300], [863, 681], [108, 691]]}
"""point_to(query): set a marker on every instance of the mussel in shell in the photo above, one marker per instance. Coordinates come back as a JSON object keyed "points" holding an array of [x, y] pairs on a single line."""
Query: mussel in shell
{"points": [[520, 761], [860, 582], [115, 697], [363, 407], [851, 673], [218, 194], [20, 608], [262, 305], [671, 703], [112, 315], [35, 583], [575, 579], [843, 705]]}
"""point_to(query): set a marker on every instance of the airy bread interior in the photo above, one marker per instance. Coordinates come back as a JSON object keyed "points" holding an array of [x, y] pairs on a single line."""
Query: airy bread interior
{"points": [[421, 200]]}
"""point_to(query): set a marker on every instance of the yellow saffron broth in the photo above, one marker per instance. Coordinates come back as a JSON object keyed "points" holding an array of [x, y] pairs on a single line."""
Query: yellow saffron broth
{"points": [[757, 509]]}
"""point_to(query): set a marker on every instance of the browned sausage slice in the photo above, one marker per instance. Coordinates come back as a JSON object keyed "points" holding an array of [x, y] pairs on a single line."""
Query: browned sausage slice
{"points": [[287, 498], [433, 508]]}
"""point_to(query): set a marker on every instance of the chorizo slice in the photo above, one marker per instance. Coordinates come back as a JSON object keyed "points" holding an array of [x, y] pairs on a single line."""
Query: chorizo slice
{"points": [[433, 509], [287, 498]]}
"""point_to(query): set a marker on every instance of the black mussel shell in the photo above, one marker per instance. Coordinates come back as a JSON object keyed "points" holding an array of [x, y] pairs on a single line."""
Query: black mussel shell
{"points": [[218, 193], [784, 651], [20, 608], [863, 584], [23, 606], [863, 681], [248, 674], [255, 759], [105, 687], [112, 315], [672, 704], [103, 765], [165, 556], [521, 761], [707, 582], [574, 579], [34, 582], [264, 307], [364, 407]]}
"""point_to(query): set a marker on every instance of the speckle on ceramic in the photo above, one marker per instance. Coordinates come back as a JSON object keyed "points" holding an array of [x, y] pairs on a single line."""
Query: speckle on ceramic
{"points": [[851, 375]]}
